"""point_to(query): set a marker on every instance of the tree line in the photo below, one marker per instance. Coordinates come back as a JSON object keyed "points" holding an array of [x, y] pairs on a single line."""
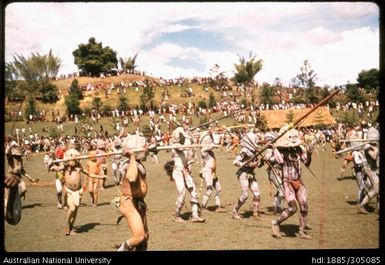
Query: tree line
{"points": [[30, 78]]}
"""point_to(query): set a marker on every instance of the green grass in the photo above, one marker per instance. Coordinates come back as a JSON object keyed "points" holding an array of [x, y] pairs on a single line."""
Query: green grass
{"points": [[333, 221], [107, 123]]}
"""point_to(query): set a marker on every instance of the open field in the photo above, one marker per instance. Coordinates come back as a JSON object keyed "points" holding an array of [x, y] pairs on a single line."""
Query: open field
{"points": [[333, 221]]}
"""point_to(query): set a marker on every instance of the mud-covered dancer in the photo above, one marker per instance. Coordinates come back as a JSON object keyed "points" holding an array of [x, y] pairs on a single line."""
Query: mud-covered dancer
{"points": [[290, 153], [208, 172], [372, 155], [274, 171], [181, 174], [246, 174]]}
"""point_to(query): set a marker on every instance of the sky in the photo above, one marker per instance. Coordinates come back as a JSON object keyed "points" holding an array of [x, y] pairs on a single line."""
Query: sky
{"points": [[339, 39]]}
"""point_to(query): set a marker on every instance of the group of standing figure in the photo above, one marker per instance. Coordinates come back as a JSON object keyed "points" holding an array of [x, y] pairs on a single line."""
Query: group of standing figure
{"points": [[285, 156]]}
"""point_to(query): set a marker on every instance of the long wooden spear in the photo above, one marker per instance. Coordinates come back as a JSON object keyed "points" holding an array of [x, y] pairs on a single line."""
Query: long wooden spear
{"points": [[359, 140], [351, 148], [135, 150], [293, 125]]}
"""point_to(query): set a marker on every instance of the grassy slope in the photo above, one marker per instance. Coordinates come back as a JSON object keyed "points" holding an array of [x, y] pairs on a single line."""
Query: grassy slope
{"points": [[132, 95]]}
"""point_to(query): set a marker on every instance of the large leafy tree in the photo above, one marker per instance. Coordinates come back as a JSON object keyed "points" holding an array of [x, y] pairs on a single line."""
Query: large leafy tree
{"points": [[14, 89], [30, 76], [267, 94], [370, 80], [48, 93], [128, 64], [92, 58], [353, 93], [246, 70]]}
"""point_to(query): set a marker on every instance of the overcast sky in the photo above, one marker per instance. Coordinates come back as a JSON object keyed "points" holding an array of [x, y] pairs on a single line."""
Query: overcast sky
{"points": [[187, 39]]}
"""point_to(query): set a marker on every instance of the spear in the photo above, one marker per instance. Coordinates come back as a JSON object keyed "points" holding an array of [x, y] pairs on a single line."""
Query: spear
{"points": [[359, 140], [135, 150], [32, 180], [221, 118], [350, 148], [293, 125]]}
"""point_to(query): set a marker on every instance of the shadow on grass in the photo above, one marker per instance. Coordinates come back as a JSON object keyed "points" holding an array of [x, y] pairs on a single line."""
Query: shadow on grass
{"points": [[351, 202], [289, 230], [270, 211], [109, 186], [186, 215], [31, 205], [249, 214], [103, 203], [346, 178], [85, 228]]}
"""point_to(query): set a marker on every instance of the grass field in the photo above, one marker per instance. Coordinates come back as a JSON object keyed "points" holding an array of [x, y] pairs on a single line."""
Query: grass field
{"points": [[333, 221]]}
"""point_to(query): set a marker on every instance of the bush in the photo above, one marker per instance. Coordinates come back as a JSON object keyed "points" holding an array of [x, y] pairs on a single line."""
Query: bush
{"points": [[49, 93], [202, 104], [146, 130], [54, 132], [107, 110]]}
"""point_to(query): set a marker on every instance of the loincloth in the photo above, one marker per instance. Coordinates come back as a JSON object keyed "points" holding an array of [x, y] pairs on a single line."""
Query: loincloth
{"points": [[75, 195], [296, 184]]}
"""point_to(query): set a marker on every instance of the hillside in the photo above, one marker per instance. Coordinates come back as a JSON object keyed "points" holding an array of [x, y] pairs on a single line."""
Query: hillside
{"points": [[175, 92]]}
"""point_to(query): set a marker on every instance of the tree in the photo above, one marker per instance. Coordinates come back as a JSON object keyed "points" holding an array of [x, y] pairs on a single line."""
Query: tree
{"points": [[147, 97], [307, 77], [218, 77], [353, 93], [14, 89], [93, 59], [202, 104], [31, 107], [97, 104], [31, 76], [36, 67], [245, 71], [128, 64], [277, 82], [73, 105], [48, 93], [267, 94], [74, 90], [299, 97], [212, 101], [370, 80], [349, 119], [123, 103]]}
